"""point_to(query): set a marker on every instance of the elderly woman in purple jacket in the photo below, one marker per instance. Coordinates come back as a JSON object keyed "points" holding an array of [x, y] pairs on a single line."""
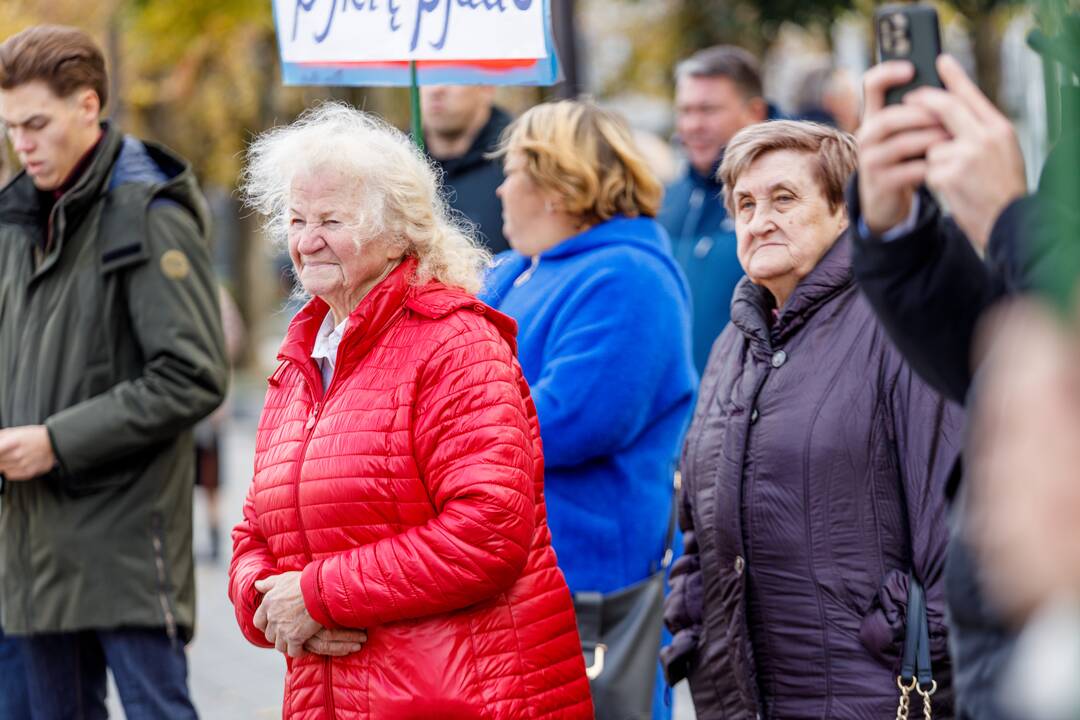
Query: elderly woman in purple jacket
{"points": [[814, 471]]}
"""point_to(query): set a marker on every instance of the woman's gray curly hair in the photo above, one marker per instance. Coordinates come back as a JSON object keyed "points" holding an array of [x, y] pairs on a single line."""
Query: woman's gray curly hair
{"points": [[398, 189]]}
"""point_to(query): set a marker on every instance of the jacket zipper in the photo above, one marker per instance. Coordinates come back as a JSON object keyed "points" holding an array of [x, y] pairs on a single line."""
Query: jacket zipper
{"points": [[328, 688], [159, 562], [309, 429], [695, 211]]}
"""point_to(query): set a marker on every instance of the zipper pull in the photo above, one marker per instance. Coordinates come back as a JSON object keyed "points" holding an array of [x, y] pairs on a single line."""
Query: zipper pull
{"points": [[312, 417], [524, 277]]}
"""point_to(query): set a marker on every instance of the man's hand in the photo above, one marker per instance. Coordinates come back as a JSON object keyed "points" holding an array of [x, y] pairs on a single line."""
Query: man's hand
{"points": [[25, 452], [336, 642], [893, 142], [979, 170], [282, 616]]}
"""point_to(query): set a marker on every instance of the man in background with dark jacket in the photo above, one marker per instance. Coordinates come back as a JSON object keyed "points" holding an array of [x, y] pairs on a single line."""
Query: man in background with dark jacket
{"points": [[110, 351], [462, 125], [717, 93]]}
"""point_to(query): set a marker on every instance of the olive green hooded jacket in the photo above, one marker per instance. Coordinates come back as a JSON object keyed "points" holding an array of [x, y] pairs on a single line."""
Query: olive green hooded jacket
{"points": [[111, 337]]}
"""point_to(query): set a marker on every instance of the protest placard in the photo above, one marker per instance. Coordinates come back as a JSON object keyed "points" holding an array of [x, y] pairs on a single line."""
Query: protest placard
{"points": [[372, 42]]}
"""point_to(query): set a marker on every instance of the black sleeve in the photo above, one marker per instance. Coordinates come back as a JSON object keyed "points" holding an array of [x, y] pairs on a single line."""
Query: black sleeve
{"points": [[929, 289]]}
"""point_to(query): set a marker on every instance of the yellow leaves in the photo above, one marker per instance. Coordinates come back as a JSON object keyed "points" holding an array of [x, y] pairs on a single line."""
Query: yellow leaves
{"points": [[198, 75]]}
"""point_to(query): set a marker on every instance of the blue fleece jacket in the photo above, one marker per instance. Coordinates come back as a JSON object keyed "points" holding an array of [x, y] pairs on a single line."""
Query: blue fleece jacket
{"points": [[604, 342], [703, 242]]}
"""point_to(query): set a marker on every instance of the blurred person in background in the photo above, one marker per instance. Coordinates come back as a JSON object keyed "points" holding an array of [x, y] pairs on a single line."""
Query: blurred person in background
{"points": [[394, 544], [814, 469], [603, 312], [932, 277], [462, 125], [828, 95], [1025, 499], [209, 434], [717, 93], [110, 350]]}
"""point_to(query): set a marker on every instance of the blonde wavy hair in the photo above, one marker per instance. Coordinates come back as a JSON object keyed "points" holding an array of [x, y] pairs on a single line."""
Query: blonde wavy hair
{"points": [[398, 196], [587, 156]]}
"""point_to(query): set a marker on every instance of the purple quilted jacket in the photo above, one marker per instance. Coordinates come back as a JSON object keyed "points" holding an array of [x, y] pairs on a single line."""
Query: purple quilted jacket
{"points": [[813, 482]]}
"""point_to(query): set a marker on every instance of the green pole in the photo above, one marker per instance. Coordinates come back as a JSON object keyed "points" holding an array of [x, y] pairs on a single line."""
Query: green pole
{"points": [[414, 103]]}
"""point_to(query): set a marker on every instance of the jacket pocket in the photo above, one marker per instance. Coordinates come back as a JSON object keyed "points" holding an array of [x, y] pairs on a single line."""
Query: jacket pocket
{"points": [[106, 476]]}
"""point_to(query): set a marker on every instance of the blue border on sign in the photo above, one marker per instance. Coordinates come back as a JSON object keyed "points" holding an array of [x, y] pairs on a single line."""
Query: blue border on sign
{"points": [[544, 72]]}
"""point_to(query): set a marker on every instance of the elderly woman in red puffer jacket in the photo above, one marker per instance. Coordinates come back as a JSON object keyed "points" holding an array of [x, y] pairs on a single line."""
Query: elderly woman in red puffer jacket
{"points": [[394, 544]]}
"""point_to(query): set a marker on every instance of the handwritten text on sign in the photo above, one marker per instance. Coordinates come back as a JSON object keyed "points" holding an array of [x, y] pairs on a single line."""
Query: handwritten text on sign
{"points": [[312, 31]]}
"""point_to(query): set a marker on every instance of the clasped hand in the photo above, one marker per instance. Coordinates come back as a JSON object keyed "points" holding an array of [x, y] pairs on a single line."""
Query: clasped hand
{"points": [[284, 620]]}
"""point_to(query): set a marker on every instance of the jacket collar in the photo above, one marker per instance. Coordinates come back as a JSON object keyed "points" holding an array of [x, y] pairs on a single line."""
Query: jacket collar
{"points": [[709, 182], [643, 232], [20, 200], [368, 318], [386, 302], [93, 182], [752, 306]]}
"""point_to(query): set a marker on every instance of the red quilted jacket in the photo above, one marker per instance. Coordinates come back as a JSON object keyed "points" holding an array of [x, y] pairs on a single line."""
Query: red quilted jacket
{"points": [[410, 494]]}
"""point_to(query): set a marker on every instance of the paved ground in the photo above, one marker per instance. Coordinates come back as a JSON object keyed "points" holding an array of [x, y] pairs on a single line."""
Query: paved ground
{"points": [[231, 679]]}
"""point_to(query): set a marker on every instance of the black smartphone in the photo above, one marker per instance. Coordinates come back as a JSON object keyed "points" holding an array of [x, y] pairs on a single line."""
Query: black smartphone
{"points": [[909, 32]]}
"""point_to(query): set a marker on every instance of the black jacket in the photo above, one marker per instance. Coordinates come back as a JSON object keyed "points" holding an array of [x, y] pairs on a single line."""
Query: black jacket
{"points": [[470, 182], [930, 289]]}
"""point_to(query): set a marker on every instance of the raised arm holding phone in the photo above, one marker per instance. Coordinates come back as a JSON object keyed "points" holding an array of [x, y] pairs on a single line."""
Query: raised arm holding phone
{"points": [[931, 276]]}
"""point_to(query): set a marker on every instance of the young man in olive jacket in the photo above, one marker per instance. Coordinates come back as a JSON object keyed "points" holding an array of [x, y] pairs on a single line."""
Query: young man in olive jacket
{"points": [[110, 351]]}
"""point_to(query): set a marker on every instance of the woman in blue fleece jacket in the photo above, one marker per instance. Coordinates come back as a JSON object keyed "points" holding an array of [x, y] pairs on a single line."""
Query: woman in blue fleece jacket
{"points": [[603, 336]]}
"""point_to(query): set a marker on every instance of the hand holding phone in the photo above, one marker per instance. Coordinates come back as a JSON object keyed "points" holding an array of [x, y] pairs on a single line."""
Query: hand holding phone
{"points": [[909, 32]]}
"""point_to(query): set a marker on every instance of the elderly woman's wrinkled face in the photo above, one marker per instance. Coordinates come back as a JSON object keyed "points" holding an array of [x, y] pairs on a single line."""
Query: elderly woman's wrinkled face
{"points": [[783, 221], [332, 258]]}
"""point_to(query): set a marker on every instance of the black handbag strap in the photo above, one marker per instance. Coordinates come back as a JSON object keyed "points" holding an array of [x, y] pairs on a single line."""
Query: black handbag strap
{"points": [[915, 663], [589, 606]]}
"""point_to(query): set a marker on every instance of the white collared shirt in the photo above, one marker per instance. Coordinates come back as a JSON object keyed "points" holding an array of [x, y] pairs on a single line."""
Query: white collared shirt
{"points": [[326, 346]]}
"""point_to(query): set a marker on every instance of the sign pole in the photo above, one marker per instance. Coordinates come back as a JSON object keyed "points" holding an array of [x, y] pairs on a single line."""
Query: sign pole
{"points": [[414, 103]]}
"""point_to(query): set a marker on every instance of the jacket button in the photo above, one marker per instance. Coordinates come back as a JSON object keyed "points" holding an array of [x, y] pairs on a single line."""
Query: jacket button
{"points": [[753, 416], [779, 358], [740, 564]]}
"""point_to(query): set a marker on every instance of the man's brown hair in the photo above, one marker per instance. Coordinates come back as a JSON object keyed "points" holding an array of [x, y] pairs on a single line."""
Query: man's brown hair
{"points": [[64, 58], [725, 61]]}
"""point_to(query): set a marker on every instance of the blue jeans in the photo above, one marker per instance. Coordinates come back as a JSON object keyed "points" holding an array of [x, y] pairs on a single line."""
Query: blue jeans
{"points": [[14, 696], [66, 674]]}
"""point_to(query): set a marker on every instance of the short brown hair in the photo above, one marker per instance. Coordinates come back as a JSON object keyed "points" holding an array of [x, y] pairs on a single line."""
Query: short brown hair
{"points": [[64, 58], [587, 156], [726, 61], [834, 150]]}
